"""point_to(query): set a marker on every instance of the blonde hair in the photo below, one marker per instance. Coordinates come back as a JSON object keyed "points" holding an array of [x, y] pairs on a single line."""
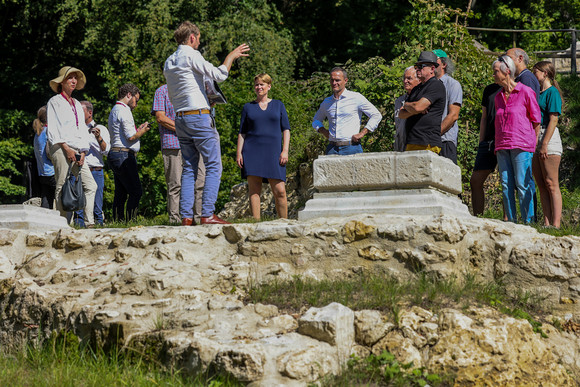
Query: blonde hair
{"points": [[40, 121], [184, 31], [264, 78]]}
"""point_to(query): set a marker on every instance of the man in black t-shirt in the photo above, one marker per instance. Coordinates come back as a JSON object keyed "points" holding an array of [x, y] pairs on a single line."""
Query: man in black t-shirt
{"points": [[424, 108], [485, 161]]}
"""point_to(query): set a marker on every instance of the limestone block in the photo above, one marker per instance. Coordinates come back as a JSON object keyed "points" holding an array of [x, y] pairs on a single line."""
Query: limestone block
{"points": [[266, 310], [414, 317], [386, 170], [401, 347], [404, 202], [420, 169], [364, 171], [245, 363], [18, 216], [396, 232], [333, 324], [143, 239], [370, 326], [505, 350], [284, 323], [7, 237], [307, 365], [41, 264], [36, 240]]}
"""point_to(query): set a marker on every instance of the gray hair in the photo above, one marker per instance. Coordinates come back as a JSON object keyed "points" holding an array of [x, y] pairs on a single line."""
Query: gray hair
{"points": [[343, 71], [519, 51], [88, 105], [506, 63], [450, 69], [407, 69]]}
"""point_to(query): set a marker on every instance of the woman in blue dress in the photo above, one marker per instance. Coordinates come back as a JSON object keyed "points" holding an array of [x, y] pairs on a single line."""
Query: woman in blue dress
{"points": [[546, 161], [263, 144]]}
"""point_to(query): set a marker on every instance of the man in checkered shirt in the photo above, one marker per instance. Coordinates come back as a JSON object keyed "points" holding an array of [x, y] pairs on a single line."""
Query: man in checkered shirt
{"points": [[164, 114]]}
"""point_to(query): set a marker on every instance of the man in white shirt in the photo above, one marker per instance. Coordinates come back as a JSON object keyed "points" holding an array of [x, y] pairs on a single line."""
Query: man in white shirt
{"points": [[124, 146], [344, 109], [185, 71], [99, 146]]}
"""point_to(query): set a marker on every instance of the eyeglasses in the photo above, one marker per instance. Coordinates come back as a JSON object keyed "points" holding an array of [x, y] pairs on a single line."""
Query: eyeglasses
{"points": [[422, 65], [501, 59]]}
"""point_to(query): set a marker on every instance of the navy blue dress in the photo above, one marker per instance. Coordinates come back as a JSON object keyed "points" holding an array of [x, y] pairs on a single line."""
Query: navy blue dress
{"points": [[263, 139]]}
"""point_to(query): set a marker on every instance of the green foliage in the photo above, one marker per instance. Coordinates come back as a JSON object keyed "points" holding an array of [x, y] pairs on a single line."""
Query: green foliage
{"points": [[12, 152], [520, 14], [385, 370], [60, 361]]}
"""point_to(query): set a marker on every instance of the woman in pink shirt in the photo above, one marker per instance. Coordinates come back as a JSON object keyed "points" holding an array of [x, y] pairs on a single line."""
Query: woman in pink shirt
{"points": [[517, 125]]}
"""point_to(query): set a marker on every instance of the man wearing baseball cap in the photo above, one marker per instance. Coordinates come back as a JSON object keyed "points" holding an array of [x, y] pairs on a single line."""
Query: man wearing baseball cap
{"points": [[454, 95], [424, 108]]}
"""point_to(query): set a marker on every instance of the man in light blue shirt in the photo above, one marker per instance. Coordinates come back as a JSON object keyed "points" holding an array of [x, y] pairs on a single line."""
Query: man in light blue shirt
{"points": [[343, 110], [185, 71]]}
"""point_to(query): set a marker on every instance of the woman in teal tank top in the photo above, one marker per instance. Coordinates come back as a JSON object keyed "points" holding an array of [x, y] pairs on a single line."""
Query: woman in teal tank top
{"points": [[546, 161]]}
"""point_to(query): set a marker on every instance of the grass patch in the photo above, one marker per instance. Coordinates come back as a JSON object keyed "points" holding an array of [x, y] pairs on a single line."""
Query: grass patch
{"points": [[384, 370], [61, 362], [388, 295]]}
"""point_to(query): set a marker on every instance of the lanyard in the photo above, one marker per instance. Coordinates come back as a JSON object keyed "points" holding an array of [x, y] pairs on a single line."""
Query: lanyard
{"points": [[74, 108]]}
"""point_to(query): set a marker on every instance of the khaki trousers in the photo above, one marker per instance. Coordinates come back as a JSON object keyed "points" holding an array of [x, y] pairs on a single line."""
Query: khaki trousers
{"points": [[61, 165], [173, 166]]}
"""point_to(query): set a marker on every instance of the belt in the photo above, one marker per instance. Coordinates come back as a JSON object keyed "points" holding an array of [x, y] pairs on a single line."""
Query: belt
{"points": [[343, 143], [123, 150], [96, 168], [188, 112]]}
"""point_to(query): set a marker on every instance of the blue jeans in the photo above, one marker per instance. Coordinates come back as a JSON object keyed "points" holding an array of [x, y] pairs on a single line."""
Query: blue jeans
{"points": [[515, 169], [343, 150], [198, 138], [99, 177], [127, 184]]}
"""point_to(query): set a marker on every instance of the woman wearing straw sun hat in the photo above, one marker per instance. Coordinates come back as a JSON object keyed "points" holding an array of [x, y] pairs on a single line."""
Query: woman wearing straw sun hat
{"points": [[68, 136]]}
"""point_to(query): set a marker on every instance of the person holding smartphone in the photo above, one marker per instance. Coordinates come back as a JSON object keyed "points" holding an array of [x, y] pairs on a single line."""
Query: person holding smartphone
{"points": [[122, 157]]}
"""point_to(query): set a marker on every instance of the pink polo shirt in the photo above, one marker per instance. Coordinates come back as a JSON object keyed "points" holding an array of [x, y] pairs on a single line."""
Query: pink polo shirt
{"points": [[514, 118]]}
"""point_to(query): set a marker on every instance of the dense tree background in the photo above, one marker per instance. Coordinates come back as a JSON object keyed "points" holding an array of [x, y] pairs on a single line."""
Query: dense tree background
{"points": [[294, 41]]}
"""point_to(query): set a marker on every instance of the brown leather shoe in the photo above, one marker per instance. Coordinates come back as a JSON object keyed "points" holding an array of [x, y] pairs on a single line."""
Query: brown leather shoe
{"points": [[187, 222], [213, 220]]}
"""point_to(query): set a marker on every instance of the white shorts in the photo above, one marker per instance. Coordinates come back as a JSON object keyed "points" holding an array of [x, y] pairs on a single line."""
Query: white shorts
{"points": [[555, 144]]}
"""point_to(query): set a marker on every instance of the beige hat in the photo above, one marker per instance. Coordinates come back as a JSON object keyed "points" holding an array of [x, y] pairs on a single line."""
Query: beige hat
{"points": [[63, 73]]}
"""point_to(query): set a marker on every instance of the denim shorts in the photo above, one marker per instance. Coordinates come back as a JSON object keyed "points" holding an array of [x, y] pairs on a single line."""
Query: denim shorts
{"points": [[555, 144]]}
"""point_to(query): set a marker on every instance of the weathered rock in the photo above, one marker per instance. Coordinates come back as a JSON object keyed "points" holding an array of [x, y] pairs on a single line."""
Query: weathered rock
{"points": [[469, 348], [185, 290], [370, 327], [333, 324], [245, 363], [400, 346], [307, 365], [35, 240], [356, 231]]}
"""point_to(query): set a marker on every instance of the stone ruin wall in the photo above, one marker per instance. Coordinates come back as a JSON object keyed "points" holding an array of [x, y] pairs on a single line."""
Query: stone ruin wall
{"points": [[181, 290]]}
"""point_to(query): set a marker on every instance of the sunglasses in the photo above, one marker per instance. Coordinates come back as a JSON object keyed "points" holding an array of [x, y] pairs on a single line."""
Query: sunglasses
{"points": [[423, 65], [501, 59]]}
